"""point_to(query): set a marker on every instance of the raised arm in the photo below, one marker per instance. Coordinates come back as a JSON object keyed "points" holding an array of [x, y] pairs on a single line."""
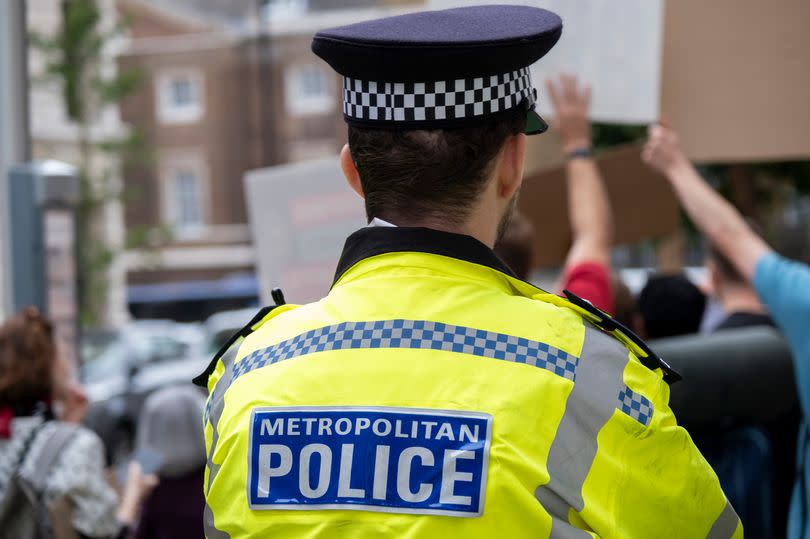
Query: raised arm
{"points": [[588, 205], [713, 215]]}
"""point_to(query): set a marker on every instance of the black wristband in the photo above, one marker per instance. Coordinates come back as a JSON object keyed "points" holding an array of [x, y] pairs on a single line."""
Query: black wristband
{"points": [[583, 152]]}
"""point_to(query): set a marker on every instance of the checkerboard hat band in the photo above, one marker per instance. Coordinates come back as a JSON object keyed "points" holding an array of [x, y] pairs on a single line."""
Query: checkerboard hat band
{"points": [[391, 102]]}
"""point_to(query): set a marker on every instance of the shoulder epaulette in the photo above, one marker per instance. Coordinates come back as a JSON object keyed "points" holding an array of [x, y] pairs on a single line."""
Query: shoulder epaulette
{"points": [[610, 325], [255, 322]]}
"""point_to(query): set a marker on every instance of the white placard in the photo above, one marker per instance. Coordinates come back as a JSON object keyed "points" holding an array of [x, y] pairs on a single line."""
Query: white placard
{"points": [[300, 216], [613, 45]]}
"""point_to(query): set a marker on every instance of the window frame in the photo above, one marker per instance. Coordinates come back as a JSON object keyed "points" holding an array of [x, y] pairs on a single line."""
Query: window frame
{"points": [[167, 111], [296, 102]]}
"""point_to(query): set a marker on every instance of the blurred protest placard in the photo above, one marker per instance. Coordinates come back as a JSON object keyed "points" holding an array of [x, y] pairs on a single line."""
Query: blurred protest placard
{"points": [[300, 215], [643, 204], [735, 78], [613, 45]]}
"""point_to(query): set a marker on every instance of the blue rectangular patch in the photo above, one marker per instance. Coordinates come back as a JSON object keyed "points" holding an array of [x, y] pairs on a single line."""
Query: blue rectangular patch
{"points": [[396, 460]]}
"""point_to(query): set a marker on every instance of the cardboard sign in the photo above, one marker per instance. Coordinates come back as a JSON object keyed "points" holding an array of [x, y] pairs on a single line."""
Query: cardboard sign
{"points": [[642, 201], [736, 75], [615, 46]]}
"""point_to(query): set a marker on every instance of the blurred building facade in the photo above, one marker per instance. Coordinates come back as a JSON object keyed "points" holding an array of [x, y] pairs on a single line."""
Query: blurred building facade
{"points": [[227, 87], [55, 136]]}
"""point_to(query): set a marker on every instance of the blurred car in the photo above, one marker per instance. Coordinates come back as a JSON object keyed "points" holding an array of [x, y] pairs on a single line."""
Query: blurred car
{"points": [[120, 368]]}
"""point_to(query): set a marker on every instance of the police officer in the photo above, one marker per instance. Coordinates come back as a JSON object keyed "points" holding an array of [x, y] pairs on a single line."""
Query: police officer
{"points": [[431, 393]]}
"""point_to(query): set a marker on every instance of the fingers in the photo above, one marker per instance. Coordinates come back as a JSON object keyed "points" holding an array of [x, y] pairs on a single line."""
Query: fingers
{"points": [[565, 89], [585, 96], [553, 94], [569, 86]]}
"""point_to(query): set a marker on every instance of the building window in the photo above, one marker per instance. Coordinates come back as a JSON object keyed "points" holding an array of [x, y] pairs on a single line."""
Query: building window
{"points": [[274, 11], [185, 194], [180, 96], [186, 199], [309, 90]]}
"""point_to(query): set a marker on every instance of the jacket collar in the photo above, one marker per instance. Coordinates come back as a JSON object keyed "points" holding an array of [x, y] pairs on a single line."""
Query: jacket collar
{"points": [[373, 241]]}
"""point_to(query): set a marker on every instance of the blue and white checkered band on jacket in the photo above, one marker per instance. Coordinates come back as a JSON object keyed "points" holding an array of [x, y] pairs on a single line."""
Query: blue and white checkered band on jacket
{"points": [[438, 100]]}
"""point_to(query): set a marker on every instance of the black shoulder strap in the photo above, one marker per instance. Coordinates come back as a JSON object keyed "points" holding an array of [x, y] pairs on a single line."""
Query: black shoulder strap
{"points": [[202, 378], [608, 324]]}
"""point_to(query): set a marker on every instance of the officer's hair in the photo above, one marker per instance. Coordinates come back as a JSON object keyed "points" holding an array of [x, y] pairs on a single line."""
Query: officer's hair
{"points": [[435, 174]]}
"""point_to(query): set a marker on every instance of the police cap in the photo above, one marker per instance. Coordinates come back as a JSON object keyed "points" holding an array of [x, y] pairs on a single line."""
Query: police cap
{"points": [[440, 69]]}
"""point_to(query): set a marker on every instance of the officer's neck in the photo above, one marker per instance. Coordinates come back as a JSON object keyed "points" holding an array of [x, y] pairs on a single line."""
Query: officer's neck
{"points": [[472, 227]]}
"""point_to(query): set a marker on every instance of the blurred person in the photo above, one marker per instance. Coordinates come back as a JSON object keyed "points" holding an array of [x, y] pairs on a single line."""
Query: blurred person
{"points": [[52, 477], [626, 305], [432, 393], [670, 305], [587, 269], [741, 305], [170, 427], [751, 461], [782, 285]]}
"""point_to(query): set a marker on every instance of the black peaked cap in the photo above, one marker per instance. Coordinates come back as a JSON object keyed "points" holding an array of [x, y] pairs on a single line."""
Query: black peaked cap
{"points": [[434, 45]]}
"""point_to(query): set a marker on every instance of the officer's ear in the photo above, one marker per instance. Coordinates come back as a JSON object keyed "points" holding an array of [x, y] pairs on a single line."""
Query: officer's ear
{"points": [[510, 165], [350, 171]]}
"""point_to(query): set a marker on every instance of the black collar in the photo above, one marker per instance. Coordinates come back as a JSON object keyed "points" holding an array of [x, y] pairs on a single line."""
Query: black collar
{"points": [[377, 240]]}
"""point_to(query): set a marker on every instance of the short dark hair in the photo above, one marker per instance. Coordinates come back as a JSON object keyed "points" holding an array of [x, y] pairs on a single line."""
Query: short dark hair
{"points": [[671, 305], [437, 174], [27, 354]]}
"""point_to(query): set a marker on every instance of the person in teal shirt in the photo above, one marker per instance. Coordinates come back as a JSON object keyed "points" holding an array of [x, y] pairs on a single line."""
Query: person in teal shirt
{"points": [[782, 285]]}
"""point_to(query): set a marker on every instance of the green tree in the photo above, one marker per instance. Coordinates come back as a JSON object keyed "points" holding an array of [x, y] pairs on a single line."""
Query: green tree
{"points": [[74, 60]]}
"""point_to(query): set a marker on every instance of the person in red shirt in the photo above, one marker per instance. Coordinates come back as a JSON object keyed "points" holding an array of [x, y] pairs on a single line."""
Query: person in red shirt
{"points": [[587, 270]]}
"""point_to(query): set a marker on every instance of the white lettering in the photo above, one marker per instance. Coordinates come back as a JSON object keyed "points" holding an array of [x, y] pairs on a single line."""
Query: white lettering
{"points": [[429, 427], [398, 431], [378, 431], [266, 452], [381, 472], [362, 424], [445, 431], [347, 426], [345, 489], [292, 426], [404, 474], [414, 429], [269, 428], [309, 421], [471, 436], [324, 426], [323, 474], [450, 476]]}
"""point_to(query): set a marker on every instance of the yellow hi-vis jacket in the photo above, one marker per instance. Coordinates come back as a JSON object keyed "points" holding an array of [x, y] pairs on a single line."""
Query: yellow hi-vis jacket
{"points": [[433, 394]]}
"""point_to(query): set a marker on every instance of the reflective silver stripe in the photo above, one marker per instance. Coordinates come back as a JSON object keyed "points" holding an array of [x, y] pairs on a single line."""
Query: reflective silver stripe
{"points": [[558, 509], [725, 525], [600, 377], [216, 404]]}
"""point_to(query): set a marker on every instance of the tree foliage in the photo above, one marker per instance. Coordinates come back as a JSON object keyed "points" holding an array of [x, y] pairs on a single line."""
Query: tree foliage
{"points": [[74, 57]]}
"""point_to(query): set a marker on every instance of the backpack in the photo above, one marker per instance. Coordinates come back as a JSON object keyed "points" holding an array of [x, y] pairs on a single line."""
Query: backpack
{"points": [[23, 511]]}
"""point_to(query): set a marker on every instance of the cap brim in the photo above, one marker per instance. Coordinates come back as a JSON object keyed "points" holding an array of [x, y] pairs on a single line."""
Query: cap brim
{"points": [[535, 124]]}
